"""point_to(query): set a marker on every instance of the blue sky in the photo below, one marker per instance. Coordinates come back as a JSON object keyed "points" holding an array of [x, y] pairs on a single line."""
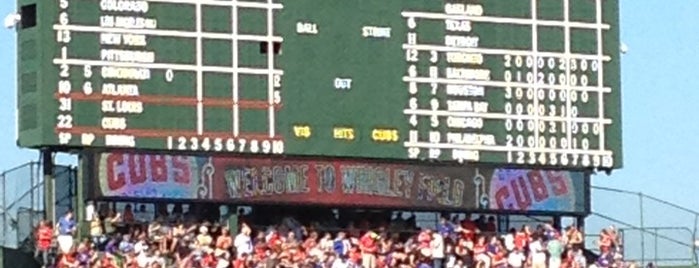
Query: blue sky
{"points": [[660, 89]]}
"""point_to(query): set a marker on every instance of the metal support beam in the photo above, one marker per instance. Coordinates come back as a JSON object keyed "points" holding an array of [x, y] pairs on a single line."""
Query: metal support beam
{"points": [[80, 197], [643, 235], [49, 185]]}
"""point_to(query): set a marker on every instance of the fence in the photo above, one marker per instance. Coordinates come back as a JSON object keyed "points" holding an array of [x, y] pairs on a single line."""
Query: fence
{"points": [[652, 230], [22, 204]]}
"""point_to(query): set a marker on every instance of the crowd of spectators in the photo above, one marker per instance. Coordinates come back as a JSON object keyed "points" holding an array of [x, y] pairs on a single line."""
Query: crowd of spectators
{"points": [[118, 241]]}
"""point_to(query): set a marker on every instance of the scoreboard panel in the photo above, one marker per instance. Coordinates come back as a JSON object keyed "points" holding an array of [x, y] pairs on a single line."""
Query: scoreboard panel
{"points": [[514, 82]]}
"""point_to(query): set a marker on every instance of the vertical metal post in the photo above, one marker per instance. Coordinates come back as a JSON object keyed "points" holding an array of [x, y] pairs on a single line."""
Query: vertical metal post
{"points": [[32, 183], [80, 193], [642, 229], [695, 260], [4, 209], [655, 252], [49, 185]]}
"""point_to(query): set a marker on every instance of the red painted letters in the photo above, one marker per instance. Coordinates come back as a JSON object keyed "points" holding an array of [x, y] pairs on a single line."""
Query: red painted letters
{"points": [[128, 169]]}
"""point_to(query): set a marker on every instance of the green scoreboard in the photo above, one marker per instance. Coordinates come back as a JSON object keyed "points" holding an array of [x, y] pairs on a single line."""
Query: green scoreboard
{"points": [[504, 82]]}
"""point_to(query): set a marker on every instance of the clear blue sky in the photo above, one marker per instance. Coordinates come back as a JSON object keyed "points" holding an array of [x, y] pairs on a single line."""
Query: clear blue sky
{"points": [[660, 88]]}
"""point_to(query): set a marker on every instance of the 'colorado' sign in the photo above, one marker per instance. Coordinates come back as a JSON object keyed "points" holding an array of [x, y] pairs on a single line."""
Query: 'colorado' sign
{"points": [[338, 183]]}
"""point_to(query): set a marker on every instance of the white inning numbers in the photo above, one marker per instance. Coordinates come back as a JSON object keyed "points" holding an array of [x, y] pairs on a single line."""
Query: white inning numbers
{"points": [[64, 118], [169, 75], [239, 145]]}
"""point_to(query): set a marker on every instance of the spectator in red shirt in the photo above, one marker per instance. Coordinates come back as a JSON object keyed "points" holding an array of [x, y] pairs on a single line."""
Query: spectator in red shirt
{"points": [[369, 248], [68, 260], [107, 261], [491, 227], [44, 239], [355, 256], [469, 228], [241, 262], [522, 238]]}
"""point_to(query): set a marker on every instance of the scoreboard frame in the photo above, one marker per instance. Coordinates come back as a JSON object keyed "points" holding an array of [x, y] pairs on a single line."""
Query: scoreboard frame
{"points": [[535, 90]]}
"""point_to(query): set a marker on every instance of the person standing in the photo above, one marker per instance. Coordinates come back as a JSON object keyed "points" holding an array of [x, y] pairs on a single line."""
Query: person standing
{"points": [[66, 231], [437, 246], [44, 239], [537, 252], [368, 247], [243, 242], [555, 250]]}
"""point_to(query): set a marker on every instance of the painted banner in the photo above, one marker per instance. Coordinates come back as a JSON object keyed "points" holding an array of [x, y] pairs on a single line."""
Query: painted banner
{"points": [[338, 182]]}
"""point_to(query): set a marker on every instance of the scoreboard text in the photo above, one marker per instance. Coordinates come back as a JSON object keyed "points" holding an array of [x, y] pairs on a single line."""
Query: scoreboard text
{"points": [[511, 82]]}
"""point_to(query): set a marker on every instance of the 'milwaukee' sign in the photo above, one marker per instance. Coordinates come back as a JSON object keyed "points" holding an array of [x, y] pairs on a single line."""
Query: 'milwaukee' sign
{"points": [[338, 182]]}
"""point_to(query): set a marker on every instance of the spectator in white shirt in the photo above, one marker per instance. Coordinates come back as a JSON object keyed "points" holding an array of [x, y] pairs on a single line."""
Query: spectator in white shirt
{"points": [[437, 245], [243, 242], [537, 252], [516, 259], [509, 240], [341, 262]]}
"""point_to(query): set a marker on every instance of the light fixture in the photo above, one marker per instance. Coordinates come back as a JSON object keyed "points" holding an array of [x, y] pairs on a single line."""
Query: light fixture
{"points": [[11, 20]]}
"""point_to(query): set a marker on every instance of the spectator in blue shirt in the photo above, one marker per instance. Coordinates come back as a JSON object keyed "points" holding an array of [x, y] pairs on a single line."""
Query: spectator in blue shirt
{"points": [[66, 230], [445, 228]]}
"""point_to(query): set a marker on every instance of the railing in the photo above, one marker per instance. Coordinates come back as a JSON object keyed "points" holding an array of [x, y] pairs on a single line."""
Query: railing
{"points": [[22, 192], [22, 204], [658, 239], [657, 231]]}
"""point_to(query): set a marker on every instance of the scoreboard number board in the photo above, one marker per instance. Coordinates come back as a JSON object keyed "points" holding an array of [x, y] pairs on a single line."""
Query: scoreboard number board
{"points": [[505, 82]]}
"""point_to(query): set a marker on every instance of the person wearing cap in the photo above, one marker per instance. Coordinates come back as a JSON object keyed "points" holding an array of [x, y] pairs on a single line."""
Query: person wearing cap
{"points": [[369, 246], [202, 242]]}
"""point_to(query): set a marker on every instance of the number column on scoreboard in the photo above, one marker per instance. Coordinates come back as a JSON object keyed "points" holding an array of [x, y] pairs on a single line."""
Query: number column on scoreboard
{"points": [[64, 118], [101, 67], [427, 96], [446, 113]]}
